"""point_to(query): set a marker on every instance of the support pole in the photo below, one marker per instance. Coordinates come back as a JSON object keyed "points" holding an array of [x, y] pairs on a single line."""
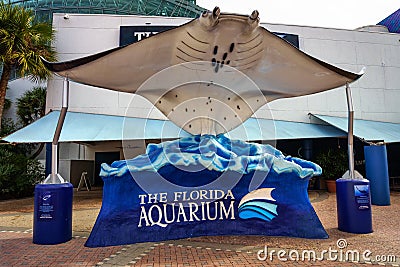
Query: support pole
{"points": [[350, 144], [353, 195], [53, 223], [54, 177]]}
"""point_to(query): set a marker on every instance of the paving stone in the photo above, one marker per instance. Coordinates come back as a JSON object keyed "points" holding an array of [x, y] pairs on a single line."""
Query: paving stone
{"points": [[17, 249]]}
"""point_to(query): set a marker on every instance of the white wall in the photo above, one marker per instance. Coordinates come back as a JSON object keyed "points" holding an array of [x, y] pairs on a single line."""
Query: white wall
{"points": [[375, 95]]}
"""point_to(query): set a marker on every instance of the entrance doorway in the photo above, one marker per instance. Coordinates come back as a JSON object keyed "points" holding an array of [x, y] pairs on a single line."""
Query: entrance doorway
{"points": [[103, 157]]}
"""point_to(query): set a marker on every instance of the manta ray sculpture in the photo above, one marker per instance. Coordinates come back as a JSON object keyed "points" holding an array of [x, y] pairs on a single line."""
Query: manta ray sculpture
{"points": [[208, 76]]}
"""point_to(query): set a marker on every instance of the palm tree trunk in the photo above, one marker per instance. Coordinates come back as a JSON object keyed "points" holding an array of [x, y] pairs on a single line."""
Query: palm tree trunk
{"points": [[5, 76]]}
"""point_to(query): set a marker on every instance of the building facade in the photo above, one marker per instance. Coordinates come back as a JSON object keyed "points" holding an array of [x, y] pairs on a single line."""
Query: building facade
{"points": [[375, 96]]}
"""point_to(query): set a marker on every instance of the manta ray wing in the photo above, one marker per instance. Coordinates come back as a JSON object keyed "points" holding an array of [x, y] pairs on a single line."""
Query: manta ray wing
{"points": [[209, 75]]}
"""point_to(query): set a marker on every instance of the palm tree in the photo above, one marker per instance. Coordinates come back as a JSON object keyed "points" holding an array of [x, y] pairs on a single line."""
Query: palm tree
{"points": [[22, 42], [30, 107]]}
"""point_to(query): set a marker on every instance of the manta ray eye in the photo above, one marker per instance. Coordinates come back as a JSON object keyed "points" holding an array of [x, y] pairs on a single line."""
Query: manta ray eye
{"points": [[216, 11], [254, 15]]}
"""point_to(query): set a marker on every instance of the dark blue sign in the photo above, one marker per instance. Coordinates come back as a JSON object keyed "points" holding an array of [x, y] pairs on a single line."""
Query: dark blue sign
{"points": [[46, 207], [205, 186], [361, 194], [279, 207], [132, 34]]}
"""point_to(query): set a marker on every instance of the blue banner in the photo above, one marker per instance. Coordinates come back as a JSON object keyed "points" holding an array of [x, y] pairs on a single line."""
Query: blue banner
{"points": [[133, 34], [203, 186]]}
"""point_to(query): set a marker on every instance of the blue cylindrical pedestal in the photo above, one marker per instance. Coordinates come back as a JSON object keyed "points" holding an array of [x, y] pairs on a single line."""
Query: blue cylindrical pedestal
{"points": [[353, 206], [377, 173], [52, 217]]}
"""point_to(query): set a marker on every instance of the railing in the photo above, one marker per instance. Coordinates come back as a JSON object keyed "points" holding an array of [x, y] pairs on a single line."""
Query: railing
{"points": [[177, 8]]}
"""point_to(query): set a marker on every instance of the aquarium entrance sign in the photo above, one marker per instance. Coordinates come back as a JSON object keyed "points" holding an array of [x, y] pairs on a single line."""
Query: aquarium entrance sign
{"points": [[261, 192], [129, 215], [154, 208], [132, 34]]}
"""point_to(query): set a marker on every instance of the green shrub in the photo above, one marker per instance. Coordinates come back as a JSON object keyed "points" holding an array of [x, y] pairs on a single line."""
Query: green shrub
{"points": [[334, 163], [7, 126], [18, 173]]}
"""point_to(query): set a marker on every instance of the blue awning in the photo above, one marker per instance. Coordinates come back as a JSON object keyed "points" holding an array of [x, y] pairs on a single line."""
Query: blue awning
{"points": [[366, 129], [85, 127], [264, 129]]}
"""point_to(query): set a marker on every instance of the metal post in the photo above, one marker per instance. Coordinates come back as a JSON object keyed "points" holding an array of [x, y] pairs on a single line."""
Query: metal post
{"points": [[350, 119], [353, 209], [54, 177]]}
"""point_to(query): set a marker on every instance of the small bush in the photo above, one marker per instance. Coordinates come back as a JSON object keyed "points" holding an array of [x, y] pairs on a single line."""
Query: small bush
{"points": [[334, 163], [18, 173]]}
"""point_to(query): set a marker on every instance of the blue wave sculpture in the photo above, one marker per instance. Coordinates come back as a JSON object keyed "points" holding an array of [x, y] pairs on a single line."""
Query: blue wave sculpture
{"points": [[202, 186], [215, 153]]}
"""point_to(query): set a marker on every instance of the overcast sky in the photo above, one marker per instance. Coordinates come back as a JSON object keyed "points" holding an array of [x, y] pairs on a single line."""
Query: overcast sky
{"points": [[343, 14]]}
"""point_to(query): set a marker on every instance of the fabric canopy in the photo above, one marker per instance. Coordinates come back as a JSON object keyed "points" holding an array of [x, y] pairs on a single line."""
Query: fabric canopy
{"points": [[84, 127], [264, 129], [366, 129], [209, 75]]}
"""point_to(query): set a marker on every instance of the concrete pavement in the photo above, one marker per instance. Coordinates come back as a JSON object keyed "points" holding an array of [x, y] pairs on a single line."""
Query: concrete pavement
{"points": [[17, 249]]}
